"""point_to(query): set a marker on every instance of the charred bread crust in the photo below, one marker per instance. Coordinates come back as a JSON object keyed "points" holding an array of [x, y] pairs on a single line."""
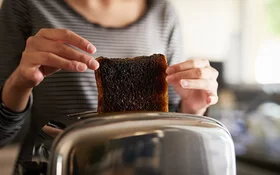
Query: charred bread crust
{"points": [[132, 84], [99, 88]]}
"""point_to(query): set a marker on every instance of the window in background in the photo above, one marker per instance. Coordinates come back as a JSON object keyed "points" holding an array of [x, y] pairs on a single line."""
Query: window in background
{"points": [[268, 60], [259, 42], [243, 34]]}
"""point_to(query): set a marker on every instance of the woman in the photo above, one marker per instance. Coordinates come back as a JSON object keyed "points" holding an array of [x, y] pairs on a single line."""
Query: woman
{"points": [[47, 46]]}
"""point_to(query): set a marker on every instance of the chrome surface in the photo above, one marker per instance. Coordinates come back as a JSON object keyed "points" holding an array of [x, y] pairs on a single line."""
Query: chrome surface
{"points": [[143, 143]]}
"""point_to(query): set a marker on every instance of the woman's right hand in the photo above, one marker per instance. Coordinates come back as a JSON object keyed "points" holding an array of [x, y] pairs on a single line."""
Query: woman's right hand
{"points": [[49, 51]]}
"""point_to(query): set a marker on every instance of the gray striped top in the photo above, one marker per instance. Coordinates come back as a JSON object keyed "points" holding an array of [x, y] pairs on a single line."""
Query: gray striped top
{"points": [[69, 92]]}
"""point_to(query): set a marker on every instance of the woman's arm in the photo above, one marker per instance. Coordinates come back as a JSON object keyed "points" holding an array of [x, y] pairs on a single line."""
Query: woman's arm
{"points": [[45, 53], [14, 28]]}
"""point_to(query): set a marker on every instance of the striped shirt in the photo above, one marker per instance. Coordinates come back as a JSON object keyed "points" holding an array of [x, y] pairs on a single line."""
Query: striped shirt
{"points": [[62, 93]]}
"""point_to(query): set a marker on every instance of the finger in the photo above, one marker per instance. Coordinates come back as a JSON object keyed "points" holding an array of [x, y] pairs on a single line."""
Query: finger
{"points": [[51, 131], [189, 64], [69, 37], [55, 61], [45, 45], [208, 85], [196, 73], [212, 99]]}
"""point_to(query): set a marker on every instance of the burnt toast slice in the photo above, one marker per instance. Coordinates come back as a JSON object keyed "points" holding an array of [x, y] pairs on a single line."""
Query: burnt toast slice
{"points": [[132, 84]]}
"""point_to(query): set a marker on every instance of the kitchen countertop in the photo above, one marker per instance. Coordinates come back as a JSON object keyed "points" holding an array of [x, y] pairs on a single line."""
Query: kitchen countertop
{"points": [[8, 156]]}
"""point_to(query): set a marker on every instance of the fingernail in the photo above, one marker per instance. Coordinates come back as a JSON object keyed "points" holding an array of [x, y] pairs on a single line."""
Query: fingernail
{"points": [[170, 70], [93, 64], [91, 48], [81, 67], [184, 83]]}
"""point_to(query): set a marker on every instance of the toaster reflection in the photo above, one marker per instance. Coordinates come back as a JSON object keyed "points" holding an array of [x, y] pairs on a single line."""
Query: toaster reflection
{"points": [[139, 153], [144, 144]]}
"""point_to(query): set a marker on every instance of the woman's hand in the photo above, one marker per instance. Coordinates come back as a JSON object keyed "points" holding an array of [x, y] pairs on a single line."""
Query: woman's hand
{"points": [[49, 51], [196, 82]]}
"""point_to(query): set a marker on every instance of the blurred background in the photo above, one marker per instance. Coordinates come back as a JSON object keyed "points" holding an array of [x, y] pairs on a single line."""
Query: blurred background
{"points": [[242, 40]]}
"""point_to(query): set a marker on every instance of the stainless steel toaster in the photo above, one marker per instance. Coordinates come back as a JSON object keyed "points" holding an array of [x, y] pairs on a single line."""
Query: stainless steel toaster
{"points": [[143, 143]]}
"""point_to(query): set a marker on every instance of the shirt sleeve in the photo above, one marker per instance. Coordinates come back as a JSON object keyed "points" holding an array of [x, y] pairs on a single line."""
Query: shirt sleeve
{"points": [[11, 122], [14, 29], [175, 52]]}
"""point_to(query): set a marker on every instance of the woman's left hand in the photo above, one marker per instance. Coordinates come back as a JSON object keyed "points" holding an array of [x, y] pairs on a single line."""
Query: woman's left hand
{"points": [[196, 82]]}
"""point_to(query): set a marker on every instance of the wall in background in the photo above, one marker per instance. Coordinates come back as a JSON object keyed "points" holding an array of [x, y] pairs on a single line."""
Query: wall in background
{"points": [[212, 29], [207, 26]]}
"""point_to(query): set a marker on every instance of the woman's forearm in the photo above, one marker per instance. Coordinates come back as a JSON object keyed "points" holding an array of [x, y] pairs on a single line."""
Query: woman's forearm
{"points": [[15, 96]]}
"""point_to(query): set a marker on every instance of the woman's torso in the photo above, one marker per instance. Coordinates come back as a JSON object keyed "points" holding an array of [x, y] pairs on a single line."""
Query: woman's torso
{"points": [[70, 92]]}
